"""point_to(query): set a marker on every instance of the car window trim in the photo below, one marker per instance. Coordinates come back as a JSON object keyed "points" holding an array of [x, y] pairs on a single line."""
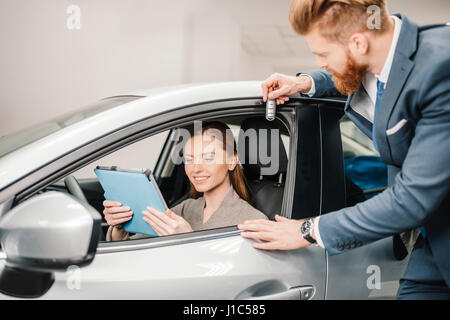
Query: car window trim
{"points": [[170, 240], [210, 234], [237, 107]]}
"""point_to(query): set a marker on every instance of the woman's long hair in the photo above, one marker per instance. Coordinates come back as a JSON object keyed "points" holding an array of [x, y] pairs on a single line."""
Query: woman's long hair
{"points": [[236, 176]]}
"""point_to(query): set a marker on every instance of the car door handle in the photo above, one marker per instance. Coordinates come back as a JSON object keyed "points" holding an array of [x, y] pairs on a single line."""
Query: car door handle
{"points": [[294, 293]]}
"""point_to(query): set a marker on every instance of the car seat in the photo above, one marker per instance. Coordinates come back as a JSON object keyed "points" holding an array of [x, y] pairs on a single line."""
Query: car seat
{"points": [[266, 191]]}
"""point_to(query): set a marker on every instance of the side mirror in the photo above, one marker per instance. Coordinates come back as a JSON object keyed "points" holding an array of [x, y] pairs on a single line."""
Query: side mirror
{"points": [[46, 233]]}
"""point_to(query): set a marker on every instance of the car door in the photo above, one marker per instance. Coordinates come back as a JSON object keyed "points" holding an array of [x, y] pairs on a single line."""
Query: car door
{"points": [[210, 264], [372, 271], [369, 272]]}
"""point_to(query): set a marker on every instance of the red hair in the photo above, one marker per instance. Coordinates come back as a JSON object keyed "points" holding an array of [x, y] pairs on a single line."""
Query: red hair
{"points": [[336, 19]]}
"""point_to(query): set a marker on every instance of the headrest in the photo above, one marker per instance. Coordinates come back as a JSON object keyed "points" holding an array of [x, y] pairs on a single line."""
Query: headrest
{"points": [[255, 150]]}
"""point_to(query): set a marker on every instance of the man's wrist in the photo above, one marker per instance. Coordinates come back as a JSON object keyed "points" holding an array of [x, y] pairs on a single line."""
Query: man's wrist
{"points": [[313, 234], [306, 230], [316, 232], [304, 83]]}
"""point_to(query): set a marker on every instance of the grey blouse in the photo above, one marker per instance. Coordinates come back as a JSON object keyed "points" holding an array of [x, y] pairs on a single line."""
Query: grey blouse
{"points": [[232, 211]]}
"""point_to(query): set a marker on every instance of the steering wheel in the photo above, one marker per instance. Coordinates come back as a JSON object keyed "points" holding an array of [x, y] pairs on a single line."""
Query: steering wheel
{"points": [[74, 188]]}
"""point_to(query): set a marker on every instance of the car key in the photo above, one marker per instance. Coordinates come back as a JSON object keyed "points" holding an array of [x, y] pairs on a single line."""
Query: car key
{"points": [[270, 109]]}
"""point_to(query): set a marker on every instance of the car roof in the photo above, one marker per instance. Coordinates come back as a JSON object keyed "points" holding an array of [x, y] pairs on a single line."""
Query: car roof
{"points": [[217, 91], [154, 101]]}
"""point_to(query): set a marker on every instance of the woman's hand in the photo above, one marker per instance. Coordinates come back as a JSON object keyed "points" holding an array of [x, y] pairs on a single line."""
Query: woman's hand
{"points": [[165, 224], [116, 214]]}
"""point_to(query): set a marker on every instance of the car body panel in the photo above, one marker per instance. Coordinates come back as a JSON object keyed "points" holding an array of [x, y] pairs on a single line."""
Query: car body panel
{"points": [[221, 268], [369, 272]]}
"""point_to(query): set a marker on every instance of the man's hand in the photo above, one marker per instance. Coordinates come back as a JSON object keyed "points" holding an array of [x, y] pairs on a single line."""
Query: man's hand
{"points": [[279, 86], [284, 234]]}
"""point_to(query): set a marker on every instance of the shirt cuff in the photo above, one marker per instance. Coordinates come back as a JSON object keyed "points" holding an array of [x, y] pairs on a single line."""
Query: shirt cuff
{"points": [[311, 91], [317, 233]]}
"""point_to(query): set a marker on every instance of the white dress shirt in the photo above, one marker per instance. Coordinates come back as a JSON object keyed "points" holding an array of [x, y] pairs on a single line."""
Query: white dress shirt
{"points": [[370, 85]]}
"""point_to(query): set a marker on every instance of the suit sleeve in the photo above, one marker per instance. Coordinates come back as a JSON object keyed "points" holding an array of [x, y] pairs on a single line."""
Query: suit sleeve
{"points": [[323, 83], [418, 189]]}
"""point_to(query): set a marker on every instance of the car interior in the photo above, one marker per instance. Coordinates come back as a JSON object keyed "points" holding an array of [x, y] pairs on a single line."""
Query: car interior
{"points": [[266, 191]]}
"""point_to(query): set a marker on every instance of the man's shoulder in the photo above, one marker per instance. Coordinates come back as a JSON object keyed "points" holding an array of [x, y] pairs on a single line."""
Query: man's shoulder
{"points": [[432, 60], [433, 45]]}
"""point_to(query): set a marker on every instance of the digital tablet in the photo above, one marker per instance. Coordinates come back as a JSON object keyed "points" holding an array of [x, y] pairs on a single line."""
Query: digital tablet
{"points": [[134, 188]]}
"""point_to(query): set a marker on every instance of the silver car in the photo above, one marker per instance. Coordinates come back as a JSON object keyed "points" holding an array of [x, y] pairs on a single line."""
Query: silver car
{"points": [[52, 232]]}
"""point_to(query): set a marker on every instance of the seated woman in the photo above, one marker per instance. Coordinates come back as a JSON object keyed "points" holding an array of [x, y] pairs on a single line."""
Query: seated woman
{"points": [[218, 195]]}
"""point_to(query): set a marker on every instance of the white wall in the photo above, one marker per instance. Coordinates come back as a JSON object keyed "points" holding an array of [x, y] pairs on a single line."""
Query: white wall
{"points": [[47, 70]]}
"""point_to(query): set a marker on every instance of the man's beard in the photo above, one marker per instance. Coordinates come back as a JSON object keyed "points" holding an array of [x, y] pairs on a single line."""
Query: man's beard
{"points": [[351, 78]]}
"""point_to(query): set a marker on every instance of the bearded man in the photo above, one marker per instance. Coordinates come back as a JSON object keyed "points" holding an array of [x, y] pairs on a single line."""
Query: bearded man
{"points": [[396, 75]]}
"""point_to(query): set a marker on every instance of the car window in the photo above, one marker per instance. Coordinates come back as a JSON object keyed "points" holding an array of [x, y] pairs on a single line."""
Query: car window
{"points": [[141, 154], [284, 137], [363, 165], [173, 182], [354, 141], [17, 140]]}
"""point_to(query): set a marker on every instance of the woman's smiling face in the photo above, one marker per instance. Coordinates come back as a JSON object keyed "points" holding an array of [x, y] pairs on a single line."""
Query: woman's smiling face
{"points": [[206, 162]]}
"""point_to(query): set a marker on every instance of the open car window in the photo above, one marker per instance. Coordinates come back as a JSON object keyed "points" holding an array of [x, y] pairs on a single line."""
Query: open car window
{"points": [[173, 181]]}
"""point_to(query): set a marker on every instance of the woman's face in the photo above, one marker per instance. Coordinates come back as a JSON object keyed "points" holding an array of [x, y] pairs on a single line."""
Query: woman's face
{"points": [[206, 162]]}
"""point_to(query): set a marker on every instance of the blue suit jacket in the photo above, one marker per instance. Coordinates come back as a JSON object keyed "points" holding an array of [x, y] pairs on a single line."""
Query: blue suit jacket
{"points": [[418, 154]]}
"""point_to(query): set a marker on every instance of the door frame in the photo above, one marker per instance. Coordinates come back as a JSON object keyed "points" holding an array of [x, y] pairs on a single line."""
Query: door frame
{"points": [[287, 117]]}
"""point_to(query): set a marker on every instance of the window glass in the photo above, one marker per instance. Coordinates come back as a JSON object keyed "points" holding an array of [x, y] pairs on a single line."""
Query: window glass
{"points": [[354, 141], [141, 154], [362, 162], [16, 140]]}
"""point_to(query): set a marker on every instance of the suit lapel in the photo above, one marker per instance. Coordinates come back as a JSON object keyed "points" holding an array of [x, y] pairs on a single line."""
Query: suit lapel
{"points": [[396, 82], [400, 70]]}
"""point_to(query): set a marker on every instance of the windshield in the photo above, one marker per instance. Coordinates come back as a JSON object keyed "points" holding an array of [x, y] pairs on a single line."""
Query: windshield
{"points": [[26, 136]]}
